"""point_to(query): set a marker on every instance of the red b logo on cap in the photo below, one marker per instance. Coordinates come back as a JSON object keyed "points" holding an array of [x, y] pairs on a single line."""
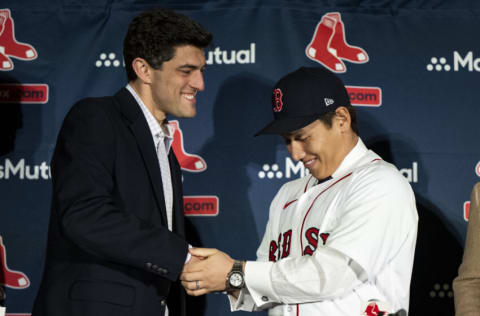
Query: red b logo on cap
{"points": [[277, 102]]}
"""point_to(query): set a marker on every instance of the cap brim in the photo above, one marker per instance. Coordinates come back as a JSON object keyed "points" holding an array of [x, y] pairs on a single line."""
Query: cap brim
{"points": [[287, 125]]}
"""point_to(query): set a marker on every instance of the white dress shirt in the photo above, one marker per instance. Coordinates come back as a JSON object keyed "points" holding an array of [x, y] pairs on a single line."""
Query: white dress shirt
{"points": [[162, 138]]}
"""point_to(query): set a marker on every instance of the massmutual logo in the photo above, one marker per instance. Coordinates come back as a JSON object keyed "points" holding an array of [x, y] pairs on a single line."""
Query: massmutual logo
{"points": [[21, 170], [457, 62], [216, 56], [193, 205], [108, 60], [296, 169], [219, 56]]}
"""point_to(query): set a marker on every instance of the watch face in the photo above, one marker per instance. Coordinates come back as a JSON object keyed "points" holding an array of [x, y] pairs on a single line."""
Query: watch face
{"points": [[236, 279]]}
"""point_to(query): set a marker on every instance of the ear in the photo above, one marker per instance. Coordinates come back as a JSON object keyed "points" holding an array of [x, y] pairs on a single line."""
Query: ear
{"points": [[343, 119], [142, 69]]}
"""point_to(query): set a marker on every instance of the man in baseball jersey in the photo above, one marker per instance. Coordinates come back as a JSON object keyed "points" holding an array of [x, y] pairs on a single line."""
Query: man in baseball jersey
{"points": [[339, 241]]}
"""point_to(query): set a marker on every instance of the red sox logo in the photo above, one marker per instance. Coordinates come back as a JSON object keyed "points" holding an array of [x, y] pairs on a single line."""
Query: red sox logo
{"points": [[10, 278], [9, 46], [329, 47], [188, 162], [372, 309], [277, 100], [193, 205]]}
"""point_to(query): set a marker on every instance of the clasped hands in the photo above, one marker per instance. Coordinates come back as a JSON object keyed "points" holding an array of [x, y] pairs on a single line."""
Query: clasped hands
{"points": [[206, 271]]}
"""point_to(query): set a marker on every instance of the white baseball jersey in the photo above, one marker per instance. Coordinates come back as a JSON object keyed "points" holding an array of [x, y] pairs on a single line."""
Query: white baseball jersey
{"points": [[332, 247]]}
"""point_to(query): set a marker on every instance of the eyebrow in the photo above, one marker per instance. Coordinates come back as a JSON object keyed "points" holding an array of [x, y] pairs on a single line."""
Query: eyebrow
{"points": [[191, 67], [288, 136]]}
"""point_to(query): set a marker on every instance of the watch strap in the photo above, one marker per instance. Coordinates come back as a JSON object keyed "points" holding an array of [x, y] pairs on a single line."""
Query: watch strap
{"points": [[236, 268]]}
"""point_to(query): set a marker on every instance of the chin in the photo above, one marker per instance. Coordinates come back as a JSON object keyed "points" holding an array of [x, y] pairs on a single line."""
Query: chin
{"points": [[190, 115], [187, 114], [319, 176], [191, 112]]}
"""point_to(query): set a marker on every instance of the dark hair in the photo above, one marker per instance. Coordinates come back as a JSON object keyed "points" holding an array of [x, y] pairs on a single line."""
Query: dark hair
{"points": [[327, 118], [153, 35]]}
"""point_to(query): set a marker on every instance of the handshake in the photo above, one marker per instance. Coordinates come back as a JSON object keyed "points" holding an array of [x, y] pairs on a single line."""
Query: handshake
{"points": [[206, 271]]}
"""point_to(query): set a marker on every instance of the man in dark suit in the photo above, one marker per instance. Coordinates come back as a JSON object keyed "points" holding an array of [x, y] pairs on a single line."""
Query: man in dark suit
{"points": [[116, 242]]}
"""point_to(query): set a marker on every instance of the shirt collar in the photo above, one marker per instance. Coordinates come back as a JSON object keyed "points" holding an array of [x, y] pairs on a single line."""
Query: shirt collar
{"points": [[155, 128], [351, 159]]}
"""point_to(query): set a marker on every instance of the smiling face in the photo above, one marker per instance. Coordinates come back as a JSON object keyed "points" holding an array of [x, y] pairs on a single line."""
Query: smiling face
{"points": [[174, 86], [322, 148]]}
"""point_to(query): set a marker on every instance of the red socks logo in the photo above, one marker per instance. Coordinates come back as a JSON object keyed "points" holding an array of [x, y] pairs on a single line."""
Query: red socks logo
{"points": [[10, 278], [328, 46], [9, 47], [373, 310], [188, 162], [196, 205]]}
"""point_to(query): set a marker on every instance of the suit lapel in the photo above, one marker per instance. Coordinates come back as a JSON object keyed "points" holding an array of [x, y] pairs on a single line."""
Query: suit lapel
{"points": [[139, 127]]}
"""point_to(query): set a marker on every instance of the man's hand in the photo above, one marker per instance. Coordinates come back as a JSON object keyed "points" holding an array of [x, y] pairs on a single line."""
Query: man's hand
{"points": [[200, 277]]}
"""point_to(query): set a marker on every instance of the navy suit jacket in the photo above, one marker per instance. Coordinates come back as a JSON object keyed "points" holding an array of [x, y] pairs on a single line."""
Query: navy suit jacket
{"points": [[109, 250]]}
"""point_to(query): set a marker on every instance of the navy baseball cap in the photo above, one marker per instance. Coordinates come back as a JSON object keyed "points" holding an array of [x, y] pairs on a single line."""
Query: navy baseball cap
{"points": [[302, 96]]}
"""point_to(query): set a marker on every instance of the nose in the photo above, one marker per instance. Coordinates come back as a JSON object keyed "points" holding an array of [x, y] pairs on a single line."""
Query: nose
{"points": [[296, 151], [197, 81]]}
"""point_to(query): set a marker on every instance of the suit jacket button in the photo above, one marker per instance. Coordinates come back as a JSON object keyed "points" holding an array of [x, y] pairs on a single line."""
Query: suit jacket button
{"points": [[163, 302], [264, 298]]}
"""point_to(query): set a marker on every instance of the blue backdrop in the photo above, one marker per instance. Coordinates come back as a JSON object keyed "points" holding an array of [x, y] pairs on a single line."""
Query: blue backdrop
{"points": [[412, 69]]}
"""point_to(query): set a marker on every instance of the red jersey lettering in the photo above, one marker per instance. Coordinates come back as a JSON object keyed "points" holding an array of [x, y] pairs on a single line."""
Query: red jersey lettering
{"points": [[273, 249], [287, 239], [312, 237]]}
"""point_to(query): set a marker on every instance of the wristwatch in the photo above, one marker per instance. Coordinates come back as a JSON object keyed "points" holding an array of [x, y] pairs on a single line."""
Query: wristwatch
{"points": [[236, 279]]}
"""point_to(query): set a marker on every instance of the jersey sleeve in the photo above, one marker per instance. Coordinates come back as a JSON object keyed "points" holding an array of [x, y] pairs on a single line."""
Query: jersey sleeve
{"points": [[377, 221]]}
